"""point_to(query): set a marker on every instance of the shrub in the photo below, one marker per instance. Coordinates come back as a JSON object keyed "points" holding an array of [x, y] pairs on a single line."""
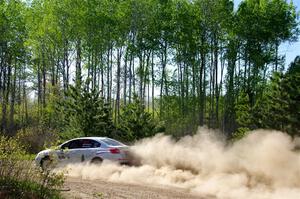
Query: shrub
{"points": [[85, 113], [240, 133], [36, 138], [136, 122], [20, 178]]}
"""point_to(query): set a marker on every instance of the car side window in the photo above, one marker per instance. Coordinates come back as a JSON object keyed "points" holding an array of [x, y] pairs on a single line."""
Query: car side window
{"points": [[96, 144], [87, 143], [75, 144], [112, 142], [82, 143]]}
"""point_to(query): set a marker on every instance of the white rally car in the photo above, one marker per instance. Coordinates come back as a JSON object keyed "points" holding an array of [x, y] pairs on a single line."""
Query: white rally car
{"points": [[85, 149]]}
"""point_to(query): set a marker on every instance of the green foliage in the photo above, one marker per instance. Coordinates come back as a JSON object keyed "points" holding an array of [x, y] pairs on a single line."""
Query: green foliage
{"points": [[19, 178], [279, 108], [240, 133], [11, 148], [85, 113], [271, 20], [136, 122], [36, 139], [179, 118], [243, 111], [178, 46]]}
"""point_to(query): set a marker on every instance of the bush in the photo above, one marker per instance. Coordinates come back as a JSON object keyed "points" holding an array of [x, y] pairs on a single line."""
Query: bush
{"points": [[240, 133], [36, 138], [135, 122], [20, 178], [85, 113]]}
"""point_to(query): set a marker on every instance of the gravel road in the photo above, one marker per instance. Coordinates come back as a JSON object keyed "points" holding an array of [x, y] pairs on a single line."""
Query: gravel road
{"points": [[100, 189]]}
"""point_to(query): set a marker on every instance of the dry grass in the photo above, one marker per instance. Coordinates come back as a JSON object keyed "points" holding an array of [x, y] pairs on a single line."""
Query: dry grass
{"points": [[20, 178]]}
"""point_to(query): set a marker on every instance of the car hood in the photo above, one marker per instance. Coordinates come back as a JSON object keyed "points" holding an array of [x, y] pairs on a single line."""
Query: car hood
{"points": [[46, 152]]}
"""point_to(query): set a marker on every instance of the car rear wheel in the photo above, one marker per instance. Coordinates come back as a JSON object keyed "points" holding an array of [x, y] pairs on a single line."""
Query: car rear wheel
{"points": [[96, 161]]}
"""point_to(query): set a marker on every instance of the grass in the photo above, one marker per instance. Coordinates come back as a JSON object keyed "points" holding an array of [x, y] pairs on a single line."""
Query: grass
{"points": [[99, 195]]}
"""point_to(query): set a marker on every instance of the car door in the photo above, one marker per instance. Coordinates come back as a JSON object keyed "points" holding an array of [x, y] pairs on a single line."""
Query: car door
{"points": [[70, 151], [74, 152], [61, 152], [88, 149]]}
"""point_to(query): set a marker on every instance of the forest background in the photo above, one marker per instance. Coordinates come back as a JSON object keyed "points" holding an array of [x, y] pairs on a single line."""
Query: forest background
{"points": [[129, 69]]}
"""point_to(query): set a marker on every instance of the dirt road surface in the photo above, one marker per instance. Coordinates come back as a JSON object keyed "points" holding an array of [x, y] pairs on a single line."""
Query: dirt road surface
{"points": [[100, 189]]}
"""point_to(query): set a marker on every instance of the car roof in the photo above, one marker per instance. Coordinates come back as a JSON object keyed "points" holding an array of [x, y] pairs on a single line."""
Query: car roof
{"points": [[98, 139], [92, 138]]}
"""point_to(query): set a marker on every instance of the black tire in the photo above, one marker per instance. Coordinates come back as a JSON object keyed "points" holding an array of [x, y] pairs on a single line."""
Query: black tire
{"points": [[46, 163], [96, 161]]}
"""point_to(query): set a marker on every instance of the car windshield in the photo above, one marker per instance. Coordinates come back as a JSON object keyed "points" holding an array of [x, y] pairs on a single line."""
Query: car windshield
{"points": [[112, 142]]}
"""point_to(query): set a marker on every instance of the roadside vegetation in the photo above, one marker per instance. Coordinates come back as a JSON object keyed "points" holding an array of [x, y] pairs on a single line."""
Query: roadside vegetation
{"points": [[20, 178]]}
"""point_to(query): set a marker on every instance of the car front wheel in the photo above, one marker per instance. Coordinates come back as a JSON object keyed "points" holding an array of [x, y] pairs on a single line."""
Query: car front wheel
{"points": [[46, 163]]}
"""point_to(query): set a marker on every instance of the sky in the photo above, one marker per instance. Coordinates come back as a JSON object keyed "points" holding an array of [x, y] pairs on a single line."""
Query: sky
{"points": [[290, 50]]}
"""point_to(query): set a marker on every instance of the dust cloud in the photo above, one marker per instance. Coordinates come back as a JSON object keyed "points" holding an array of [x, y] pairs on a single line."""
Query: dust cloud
{"points": [[262, 165]]}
